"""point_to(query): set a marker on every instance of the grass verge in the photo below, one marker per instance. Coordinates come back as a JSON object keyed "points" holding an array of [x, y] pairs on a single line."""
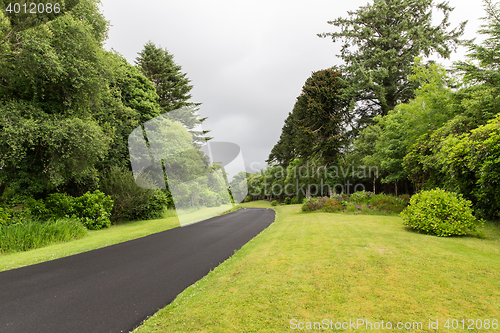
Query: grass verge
{"points": [[93, 240], [316, 266]]}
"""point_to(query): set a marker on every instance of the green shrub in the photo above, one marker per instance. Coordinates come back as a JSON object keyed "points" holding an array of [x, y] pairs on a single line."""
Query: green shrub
{"points": [[332, 205], [405, 198], [130, 201], [248, 198], [274, 203], [351, 208], [94, 209], [439, 213], [288, 200], [314, 204], [156, 206], [387, 203], [361, 197], [341, 197], [58, 205], [34, 234], [295, 200]]}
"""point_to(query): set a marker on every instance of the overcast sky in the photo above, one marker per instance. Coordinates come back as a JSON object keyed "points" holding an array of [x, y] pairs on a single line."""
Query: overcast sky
{"points": [[247, 61]]}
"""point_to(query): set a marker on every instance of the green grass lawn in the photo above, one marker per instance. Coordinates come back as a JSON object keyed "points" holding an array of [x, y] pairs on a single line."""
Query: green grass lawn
{"points": [[332, 266]]}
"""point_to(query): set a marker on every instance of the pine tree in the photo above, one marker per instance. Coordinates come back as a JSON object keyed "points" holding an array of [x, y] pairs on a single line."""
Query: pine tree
{"points": [[317, 126], [172, 87]]}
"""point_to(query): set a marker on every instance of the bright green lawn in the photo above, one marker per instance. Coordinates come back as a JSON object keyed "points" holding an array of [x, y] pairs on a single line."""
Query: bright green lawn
{"points": [[315, 266]]}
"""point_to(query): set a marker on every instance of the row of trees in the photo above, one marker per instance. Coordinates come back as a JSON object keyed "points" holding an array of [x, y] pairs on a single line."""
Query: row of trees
{"points": [[419, 125], [67, 105]]}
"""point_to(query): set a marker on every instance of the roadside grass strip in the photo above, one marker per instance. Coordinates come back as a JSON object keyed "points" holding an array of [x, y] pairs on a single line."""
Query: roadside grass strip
{"points": [[94, 239], [312, 267]]}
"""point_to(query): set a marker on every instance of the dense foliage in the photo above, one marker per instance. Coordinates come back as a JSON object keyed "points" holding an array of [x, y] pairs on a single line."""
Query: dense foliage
{"points": [[439, 213], [67, 108], [380, 43], [415, 124]]}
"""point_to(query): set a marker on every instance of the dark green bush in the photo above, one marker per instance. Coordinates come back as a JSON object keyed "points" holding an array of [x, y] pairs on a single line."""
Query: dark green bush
{"points": [[361, 197], [288, 200], [248, 198], [94, 209], [341, 197], [274, 203], [295, 200], [34, 234], [58, 205], [155, 207], [439, 213], [405, 198], [130, 201], [332, 205]]}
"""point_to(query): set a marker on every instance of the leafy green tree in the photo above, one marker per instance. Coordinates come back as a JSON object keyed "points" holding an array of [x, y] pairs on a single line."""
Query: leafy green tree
{"points": [[474, 168], [59, 64], [42, 153], [433, 105], [50, 139], [380, 43]]}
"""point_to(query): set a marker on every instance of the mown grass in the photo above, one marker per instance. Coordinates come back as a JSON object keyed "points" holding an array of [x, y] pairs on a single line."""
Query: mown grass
{"points": [[315, 266]]}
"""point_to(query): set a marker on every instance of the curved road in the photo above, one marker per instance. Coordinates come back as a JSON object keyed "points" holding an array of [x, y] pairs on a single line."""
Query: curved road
{"points": [[115, 288]]}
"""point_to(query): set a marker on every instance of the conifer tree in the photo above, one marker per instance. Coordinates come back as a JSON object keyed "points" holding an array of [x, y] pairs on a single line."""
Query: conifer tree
{"points": [[380, 43], [172, 86]]}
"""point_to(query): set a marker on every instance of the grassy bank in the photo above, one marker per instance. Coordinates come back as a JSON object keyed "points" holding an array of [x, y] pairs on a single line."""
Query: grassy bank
{"points": [[315, 266], [93, 240]]}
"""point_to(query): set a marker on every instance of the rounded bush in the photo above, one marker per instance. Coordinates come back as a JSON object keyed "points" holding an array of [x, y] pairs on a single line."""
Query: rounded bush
{"points": [[331, 206], [94, 209], [274, 203], [288, 200], [441, 213]]}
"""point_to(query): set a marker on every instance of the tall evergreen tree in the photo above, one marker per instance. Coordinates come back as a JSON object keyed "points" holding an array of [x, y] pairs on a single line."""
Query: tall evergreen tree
{"points": [[484, 65], [172, 86], [381, 41], [317, 126]]}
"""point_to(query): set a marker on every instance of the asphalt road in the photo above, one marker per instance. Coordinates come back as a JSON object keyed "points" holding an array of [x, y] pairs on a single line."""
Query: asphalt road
{"points": [[115, 288]]}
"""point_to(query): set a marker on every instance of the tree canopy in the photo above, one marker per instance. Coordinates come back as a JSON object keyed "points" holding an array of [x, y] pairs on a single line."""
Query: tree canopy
{"points": [[380, 43]]}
